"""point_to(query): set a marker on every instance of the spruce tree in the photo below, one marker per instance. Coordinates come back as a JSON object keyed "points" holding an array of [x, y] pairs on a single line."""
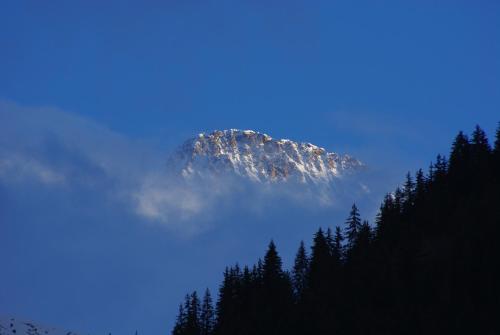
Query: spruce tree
{"points": [[408, 192], [338, 249], [193, 313], [479, 142], [460, 153], [320, 264], [272, 270], [329, 239], [207, 315], [277, 296], [364, 235], [481, 154], [299, 271], [440, 168], [420, 184], [180, 322], [353, 225], [319, 286]]}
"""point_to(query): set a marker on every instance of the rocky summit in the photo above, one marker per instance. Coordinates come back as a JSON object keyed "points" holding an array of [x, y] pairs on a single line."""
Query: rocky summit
{"points": [[259, 157]]}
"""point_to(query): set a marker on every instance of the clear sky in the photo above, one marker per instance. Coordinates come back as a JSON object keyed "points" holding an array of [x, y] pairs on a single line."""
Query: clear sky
{"points": [[390, 82]]}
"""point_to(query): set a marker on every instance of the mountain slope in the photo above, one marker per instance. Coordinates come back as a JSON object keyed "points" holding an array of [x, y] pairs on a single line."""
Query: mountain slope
{"points": [[13, 326], [259, 157]]}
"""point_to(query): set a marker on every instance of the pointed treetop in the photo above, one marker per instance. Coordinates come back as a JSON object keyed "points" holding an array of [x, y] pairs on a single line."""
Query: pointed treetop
{"points": [[479, 141], [353, 225], [337, 244], [299, 271], [320, 247], [459, 150], [409, 189], [272, 263], [419, 182]]}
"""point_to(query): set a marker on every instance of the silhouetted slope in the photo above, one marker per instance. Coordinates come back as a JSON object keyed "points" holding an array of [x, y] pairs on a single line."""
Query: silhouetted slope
{"points": [[429, 265]]}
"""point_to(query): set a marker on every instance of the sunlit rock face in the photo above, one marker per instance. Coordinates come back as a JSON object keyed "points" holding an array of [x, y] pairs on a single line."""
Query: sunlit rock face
{"points": [[260, 158], [14, 326]]}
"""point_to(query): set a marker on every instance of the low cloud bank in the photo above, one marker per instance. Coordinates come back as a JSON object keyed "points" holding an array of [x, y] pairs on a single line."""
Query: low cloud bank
{"points": [[67, 153]]}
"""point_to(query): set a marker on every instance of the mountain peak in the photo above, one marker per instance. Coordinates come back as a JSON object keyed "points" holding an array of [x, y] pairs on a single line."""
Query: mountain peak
{"points": [[259, 157]]}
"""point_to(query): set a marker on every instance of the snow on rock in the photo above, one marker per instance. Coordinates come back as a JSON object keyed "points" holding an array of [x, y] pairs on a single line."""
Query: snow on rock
{"points": [[259, 157], [14, 326]]}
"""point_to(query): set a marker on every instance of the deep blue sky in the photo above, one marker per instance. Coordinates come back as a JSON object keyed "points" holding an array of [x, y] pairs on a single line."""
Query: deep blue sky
{"points": [[146, 68], [390, 82]]}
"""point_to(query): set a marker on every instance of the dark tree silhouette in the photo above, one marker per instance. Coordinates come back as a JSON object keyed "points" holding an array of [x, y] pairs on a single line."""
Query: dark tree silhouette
{"points": [[431, 264], [299, 272], [353, 225], [207, 315], [180, 323]]}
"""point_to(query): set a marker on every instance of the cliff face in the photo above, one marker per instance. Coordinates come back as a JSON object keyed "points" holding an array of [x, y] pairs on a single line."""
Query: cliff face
{"points": [[260, 158]]}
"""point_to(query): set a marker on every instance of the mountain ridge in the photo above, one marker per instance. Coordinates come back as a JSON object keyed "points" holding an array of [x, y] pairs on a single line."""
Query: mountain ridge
{"points": [[260, 158]]}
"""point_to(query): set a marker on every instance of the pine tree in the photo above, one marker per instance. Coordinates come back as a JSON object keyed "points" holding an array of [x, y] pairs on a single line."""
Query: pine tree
{"points": [[180, 322], [431, 174], [338, 249], [460, 153], [277, 295], [319, 293], [226, 304], [420, 184], [299, 272], [272, 270], [320, 263], [433, 269], [479, 141], [353, 225], [440, 168], [364, 235], [193, 313], [329, 239], [207, 315], [408, 192], [481, 154]]}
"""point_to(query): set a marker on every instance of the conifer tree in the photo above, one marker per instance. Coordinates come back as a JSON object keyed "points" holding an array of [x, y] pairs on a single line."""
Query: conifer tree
{"points": [[329, 239], [319, 265], [180, 322], [299, 271], [433, 269], [440, 168], [431, 173], [272, 270], [364, 235], [479, 141], [207, 315], [353, 225], [460, 152], [420, 184], [408, 192], [193, 313], [277, 295], [338, 249]]}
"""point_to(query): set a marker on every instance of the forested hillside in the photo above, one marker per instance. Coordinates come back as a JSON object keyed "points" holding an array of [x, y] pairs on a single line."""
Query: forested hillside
{"points": [[429, 264]]}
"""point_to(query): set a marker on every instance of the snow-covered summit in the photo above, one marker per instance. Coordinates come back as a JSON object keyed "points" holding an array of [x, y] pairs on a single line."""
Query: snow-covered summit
{"points": [[14, 326], [259, 157]]}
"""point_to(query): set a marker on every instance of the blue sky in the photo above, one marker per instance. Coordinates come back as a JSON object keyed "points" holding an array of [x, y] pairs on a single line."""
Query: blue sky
{"points": [[123, 82]]}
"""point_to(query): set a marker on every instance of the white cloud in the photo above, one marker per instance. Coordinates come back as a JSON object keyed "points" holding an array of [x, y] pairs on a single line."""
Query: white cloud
{"points": [[18, 168], [56, 148]]}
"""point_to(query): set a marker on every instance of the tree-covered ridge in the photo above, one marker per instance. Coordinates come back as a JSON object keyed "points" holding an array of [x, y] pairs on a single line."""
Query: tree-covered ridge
{"points": [[430, 264]]}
